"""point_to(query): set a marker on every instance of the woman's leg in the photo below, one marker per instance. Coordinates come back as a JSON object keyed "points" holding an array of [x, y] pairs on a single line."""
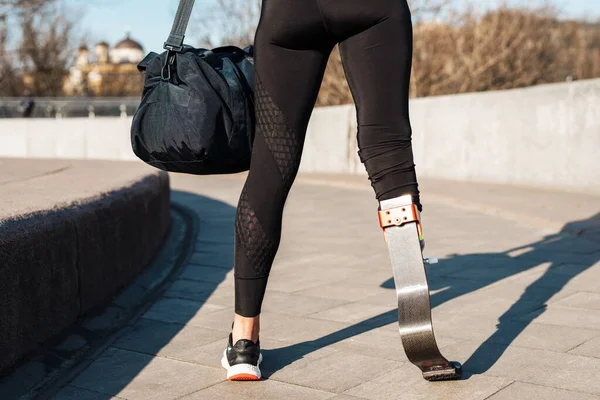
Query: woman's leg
{"points": [[291, 55], [377, 62]]}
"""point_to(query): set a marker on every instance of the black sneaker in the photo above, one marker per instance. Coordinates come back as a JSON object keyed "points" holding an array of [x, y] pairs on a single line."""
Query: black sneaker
{"points": [[242, 360]]}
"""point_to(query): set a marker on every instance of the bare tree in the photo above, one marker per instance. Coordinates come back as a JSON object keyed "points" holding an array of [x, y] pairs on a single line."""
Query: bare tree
{"points": [[335, 90], [235, 20], [46, 49], [12, 6], [422, 10], [11, 82], [502, 49], [456, 49], [10, 85]]}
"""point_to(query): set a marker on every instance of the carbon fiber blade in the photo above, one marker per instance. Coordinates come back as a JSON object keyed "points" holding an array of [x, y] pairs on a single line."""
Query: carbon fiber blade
{"points": [[414, 307]]}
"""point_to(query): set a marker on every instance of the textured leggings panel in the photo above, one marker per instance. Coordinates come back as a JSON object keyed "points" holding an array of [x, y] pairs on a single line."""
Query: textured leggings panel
{"points": [[283, 142], [258, 247], [293, 43]]}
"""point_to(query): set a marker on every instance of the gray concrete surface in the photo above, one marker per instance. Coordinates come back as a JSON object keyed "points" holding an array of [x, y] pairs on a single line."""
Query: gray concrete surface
{"points": [[515, 299], [106, 138], [544, 136], [72, 233]]}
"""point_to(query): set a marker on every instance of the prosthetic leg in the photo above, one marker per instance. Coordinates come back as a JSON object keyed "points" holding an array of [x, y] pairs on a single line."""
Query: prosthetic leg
{"points": [[400, 220]]}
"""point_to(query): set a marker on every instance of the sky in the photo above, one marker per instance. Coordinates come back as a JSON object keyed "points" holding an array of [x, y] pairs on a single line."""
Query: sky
{"points": [[150, 20]]}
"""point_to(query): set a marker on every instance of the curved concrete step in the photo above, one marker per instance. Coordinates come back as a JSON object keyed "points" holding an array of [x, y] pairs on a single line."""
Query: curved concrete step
{"points": [[72, 233]]}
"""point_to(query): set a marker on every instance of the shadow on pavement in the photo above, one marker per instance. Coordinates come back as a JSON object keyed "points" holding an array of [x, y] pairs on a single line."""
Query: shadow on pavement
{"points": [[214, 250], [553, 249], [210, 259]]}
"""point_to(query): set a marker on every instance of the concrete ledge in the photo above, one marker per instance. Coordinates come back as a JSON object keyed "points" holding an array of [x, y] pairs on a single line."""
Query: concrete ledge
{"points": [[72, 233], [545, 136]]}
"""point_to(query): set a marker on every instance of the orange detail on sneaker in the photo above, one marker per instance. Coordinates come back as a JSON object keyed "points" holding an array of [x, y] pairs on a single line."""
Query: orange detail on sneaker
{"points": [[244, 377]]}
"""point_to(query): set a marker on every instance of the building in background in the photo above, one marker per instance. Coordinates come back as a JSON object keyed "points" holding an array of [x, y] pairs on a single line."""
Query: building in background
{"points": [[108, 71]]}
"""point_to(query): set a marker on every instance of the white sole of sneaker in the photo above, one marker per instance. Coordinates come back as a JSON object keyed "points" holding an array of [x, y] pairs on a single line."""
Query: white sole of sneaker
{"points": [[242, 372]]}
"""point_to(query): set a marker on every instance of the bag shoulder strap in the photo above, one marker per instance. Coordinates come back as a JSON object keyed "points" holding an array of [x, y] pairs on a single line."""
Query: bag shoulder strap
{"points": [[182, 18]]}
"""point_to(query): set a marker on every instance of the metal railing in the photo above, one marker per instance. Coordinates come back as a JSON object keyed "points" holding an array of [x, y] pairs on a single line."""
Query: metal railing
{"points": [[70, 107]]}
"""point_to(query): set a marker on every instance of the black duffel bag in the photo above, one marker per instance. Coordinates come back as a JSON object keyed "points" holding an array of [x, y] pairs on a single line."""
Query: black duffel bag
{"points": [[197, 110]]}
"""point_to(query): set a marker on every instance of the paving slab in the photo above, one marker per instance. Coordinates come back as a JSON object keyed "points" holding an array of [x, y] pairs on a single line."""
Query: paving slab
{"points": [[515, 300], [540, 367], [590, 348], [140, 376], [298, 329], [219, 256], [585, 281], [24, 378], [300, 282], [348, 290], [200, 346], [381, 343], [527, 391], [333, 371], [204, 273], [585, 300], [405, 382], [296, 304], [182, 311], [352, 313], [528, 285], [74, 393], [174, 341], [531, 335], [194, 290], [566, 316], [266, 390]]}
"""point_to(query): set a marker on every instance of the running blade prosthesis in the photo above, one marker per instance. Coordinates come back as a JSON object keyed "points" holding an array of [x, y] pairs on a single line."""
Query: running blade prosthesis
{"points": [[400, 220]]}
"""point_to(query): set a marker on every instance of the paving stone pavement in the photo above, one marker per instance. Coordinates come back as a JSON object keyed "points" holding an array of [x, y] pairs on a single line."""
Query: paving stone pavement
{"points": [[516, 300]]}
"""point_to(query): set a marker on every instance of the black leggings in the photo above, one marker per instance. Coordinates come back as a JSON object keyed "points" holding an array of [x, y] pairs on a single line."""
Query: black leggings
{"points": [[293, 43]]}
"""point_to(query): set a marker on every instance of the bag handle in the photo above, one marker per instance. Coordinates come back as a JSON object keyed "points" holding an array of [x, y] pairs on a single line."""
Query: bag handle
{"points": [[182, 18]]}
